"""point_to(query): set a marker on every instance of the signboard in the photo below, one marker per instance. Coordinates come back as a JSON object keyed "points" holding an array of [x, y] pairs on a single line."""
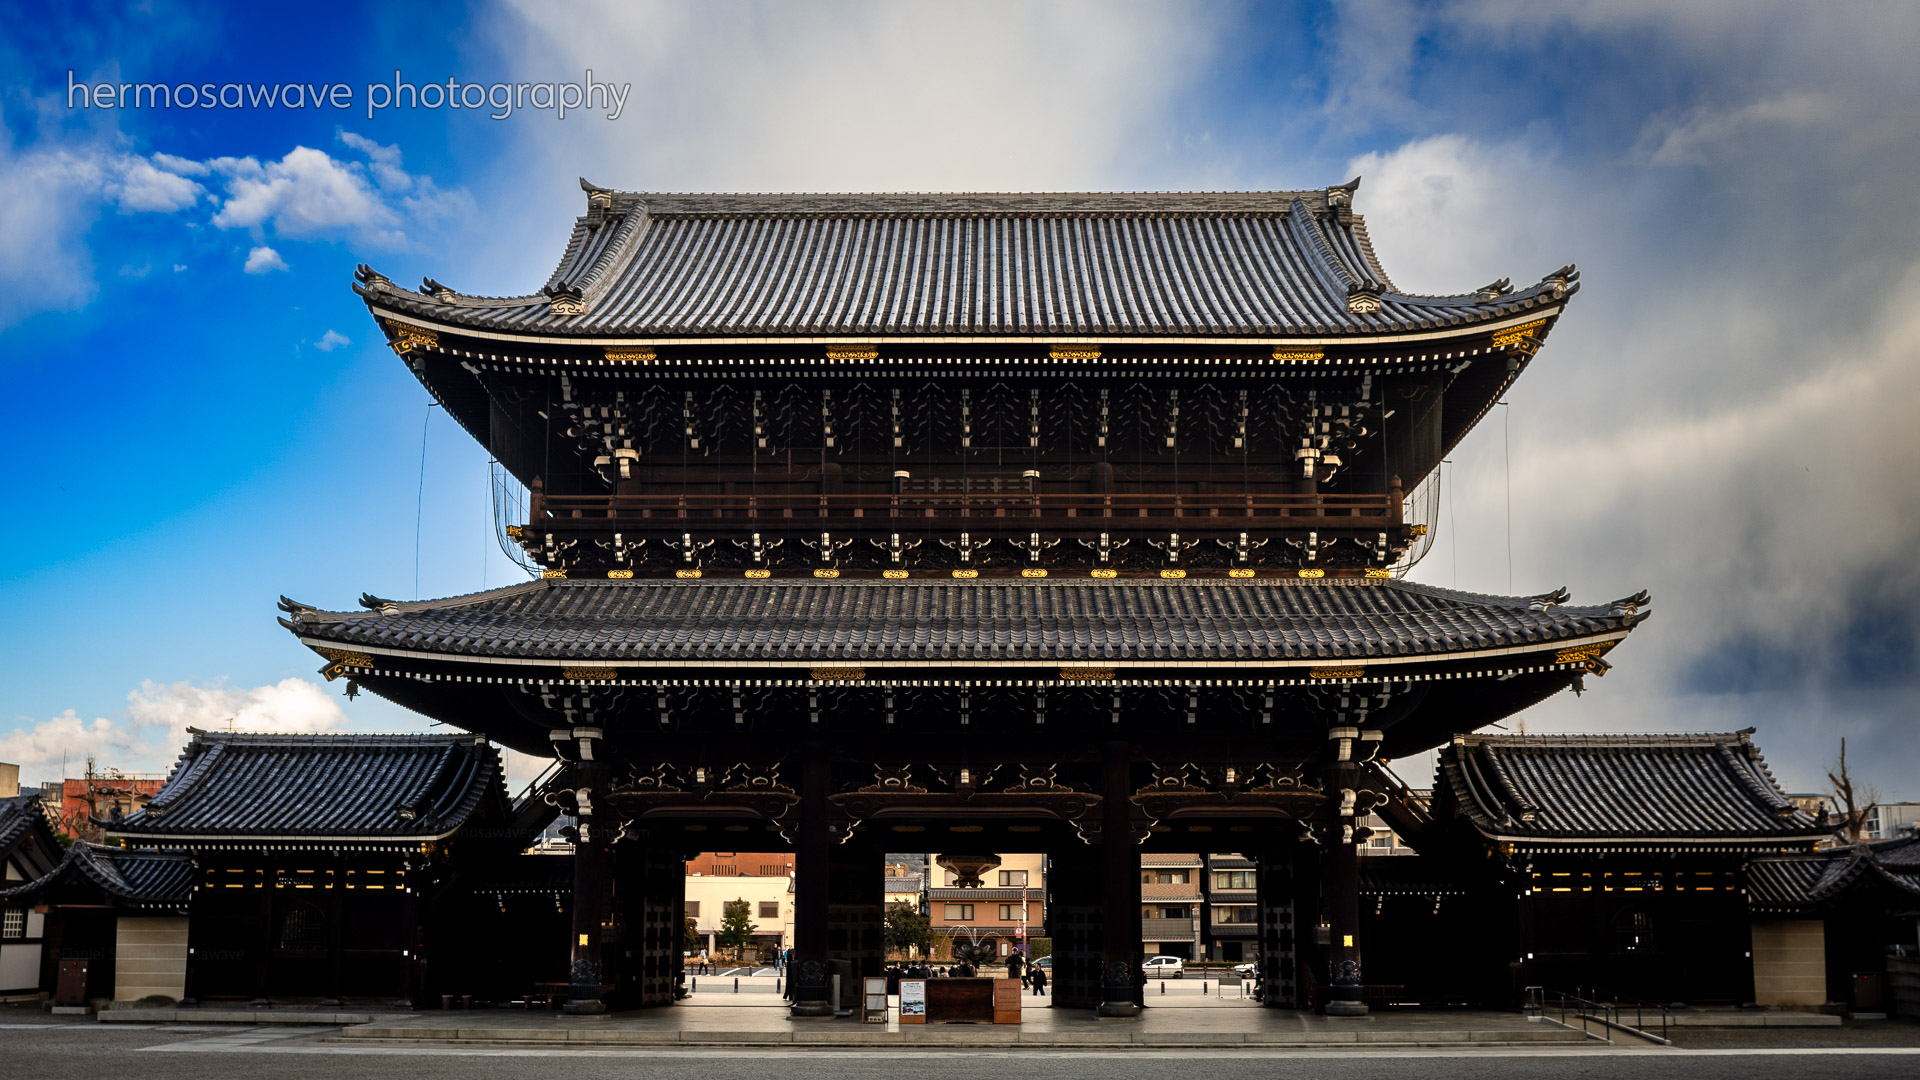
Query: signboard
{"points": [[913, 1001], [1006, 1001], [874, 1000]]}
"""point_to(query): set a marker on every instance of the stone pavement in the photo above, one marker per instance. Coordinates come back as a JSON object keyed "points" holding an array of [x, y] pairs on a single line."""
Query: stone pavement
{"points": [[1158, 1026]]}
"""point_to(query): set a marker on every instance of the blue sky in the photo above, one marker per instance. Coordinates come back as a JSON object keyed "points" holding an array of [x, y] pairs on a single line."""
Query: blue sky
{"points": [[199, 417]]}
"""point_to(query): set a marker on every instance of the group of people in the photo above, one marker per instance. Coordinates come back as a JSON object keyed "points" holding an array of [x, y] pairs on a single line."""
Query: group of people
{"points": [[1017, 968]]}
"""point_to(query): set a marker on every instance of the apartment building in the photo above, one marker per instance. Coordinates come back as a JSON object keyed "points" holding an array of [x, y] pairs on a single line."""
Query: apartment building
{"points": [[1002, 913], [1170, 905]]}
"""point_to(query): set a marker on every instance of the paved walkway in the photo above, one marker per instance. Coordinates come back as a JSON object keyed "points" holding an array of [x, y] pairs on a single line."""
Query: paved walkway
{"points": [[702, 1024]]}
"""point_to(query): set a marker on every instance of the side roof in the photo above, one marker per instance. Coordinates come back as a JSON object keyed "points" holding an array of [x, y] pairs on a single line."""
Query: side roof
{"points": [[135, 879], [26, 837], [237, 789], [1801, 884], [1620, 792], [1190, 264]]}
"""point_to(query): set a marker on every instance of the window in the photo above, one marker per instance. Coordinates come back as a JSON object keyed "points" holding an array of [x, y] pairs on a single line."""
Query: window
{"points": [[726, 871], [962, 912], [1164, 877], [1233, 879], [772, 869], [303, 929], [1233, 915], [769, 909], [1010, 912], [1013, 878], [1633, 933], [693, 909], [15, 925]]}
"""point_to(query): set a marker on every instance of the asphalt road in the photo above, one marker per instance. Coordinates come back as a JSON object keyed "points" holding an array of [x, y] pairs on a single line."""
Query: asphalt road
{"points": [[31, 1050]]}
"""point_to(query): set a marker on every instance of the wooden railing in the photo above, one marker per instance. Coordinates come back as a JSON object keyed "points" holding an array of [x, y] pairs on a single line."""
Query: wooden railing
{"points": [[1126, 512]]}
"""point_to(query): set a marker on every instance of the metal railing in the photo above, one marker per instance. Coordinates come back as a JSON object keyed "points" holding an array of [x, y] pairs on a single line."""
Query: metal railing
{"points": [[1607, 1010]]}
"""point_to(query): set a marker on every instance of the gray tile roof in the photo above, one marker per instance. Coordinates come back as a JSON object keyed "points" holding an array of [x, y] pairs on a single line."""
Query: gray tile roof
{"points": [[1410, 875], [236, 787], [18, 813], [987, 620], [1561, 790], [1170, 263], [1797, 884], [137, 878]]}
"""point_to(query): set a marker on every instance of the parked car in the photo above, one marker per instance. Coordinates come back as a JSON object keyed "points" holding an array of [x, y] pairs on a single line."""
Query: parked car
{"points": [[1165, 967], [1044, 962], [1246, 970]]}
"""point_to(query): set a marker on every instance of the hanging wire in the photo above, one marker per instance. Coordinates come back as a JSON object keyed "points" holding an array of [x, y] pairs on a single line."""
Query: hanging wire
{"points": [[509, 508], [1453, 524], [420, 496], [1506, 446], [1422, 507]]}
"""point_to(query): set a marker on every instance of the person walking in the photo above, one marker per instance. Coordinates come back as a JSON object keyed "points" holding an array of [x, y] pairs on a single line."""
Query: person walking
{"points": [[1016, 968], [1038, 980]]}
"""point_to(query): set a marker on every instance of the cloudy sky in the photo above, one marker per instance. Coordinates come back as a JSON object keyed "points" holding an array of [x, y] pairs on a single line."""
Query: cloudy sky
{"points": [[199, 417]]}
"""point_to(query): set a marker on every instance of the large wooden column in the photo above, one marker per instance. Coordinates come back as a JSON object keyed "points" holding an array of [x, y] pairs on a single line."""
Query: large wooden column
{"points": [[592, 876], [856, 914], [1073, 917], [1279, 957], [812, 895], [1345, 991], [654, 922], [1119, 887]]}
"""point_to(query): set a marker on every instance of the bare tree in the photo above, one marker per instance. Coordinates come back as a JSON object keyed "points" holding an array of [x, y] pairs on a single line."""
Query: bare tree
{"points": [[1852, 798]]}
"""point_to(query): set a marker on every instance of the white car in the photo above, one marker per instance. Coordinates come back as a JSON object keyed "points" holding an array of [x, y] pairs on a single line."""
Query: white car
{"points": [[1165, 967], [1245, 969]]}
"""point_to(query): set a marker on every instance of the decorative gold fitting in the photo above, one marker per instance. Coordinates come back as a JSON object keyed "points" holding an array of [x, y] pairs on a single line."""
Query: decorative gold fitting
{"points": [[1311, 573], [837, 674], [1240, 573], [516, 531], [1172, 574], [1518, 334], [1417, 530], [688, 574], [631, 356], [408, 338], [619, 575], [826, 573], [1086, 674], [894, 575], [758, 574], [1336, 672], [966, 573], [1299, 355], [553, 573], [853, 352], [1587, 656], [1033, 573], [1105, 573], [1074, 352], [1376, 572], [592, 673]]}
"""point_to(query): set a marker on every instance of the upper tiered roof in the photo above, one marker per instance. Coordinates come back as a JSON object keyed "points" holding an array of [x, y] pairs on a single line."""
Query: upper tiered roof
{"points": [[692, 267], [1620, 792]]}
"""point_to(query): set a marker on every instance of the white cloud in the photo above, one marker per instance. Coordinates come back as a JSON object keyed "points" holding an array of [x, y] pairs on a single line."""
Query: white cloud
{"points": [[264, 260], [154, 728], [1696, 136], [331, 340], [310, 194], [141, 186]]}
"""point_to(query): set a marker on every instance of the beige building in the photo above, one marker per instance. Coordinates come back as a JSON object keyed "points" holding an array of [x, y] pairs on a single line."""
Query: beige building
{"points": [[1007, 908], [769, 905], [1170, 905]]}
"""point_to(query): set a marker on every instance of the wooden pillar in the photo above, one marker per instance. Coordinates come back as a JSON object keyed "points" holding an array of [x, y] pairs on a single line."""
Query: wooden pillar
{"points": [[856, 915], [592, 879], [660, 924], [1345, 993], [811, 887], [1073, 917], [1119, 886], [1279, 956]]}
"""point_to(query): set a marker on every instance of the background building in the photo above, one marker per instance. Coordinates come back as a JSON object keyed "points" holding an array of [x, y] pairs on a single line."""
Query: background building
{"points": [[1170, 904], [1008, 908]]}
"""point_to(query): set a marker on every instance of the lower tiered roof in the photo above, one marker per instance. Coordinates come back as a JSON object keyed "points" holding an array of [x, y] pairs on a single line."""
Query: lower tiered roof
{"points": [[745, 623]]}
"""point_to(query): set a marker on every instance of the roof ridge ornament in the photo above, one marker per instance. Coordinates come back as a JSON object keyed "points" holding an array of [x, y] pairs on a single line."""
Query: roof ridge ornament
{"points": [[1548, 600], [1493, 291], [438, 291], [1363, 298], [565, 299], [1628, 607], [373, 280], [1562, 281], [1340, 198]]}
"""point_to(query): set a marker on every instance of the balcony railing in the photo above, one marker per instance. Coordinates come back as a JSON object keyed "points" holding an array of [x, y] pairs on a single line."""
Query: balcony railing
{"points": [[741, 513]]}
